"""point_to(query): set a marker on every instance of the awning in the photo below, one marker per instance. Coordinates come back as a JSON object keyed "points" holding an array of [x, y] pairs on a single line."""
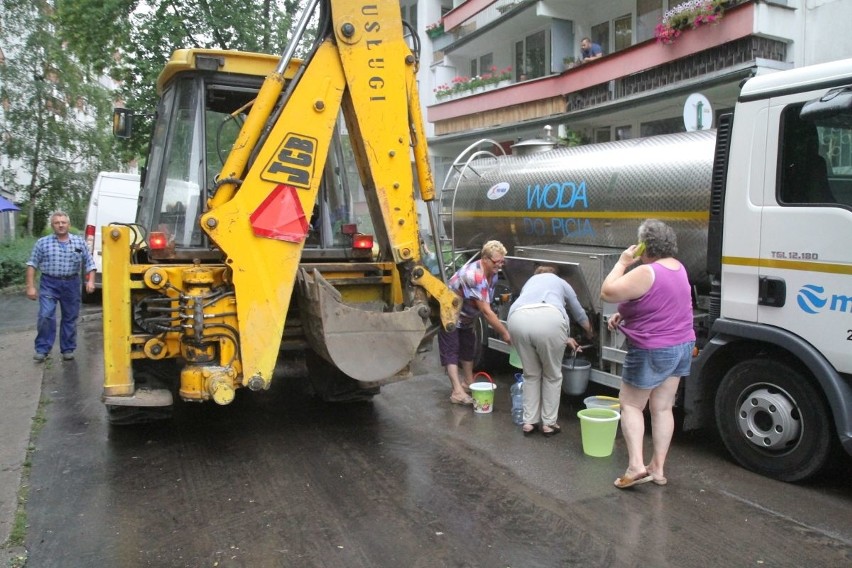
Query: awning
{"points": [[6, 205]]}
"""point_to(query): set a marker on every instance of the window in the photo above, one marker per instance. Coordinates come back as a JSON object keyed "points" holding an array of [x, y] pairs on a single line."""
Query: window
{"points": [[648, 14], [481, 65], [623, 132], [409, 14], [623, 27], [531, 57], [602, 135], [815, 164], [600, 36], [664, 126]]}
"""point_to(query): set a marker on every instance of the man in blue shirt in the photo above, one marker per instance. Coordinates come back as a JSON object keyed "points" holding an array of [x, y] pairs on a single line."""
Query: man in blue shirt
{"points": [[589, 51], [61, 258]]}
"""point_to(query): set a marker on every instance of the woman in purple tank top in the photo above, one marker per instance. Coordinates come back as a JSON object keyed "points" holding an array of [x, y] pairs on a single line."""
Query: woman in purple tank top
{"points": [[655, 314]]}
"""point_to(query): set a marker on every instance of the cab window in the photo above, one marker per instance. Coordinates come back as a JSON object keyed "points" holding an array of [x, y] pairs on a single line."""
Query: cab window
{"points": [[815, 160]]}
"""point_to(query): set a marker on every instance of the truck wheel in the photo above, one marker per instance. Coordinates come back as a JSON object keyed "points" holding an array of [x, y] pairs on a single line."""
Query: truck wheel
{"points": [[480, 331], [773, 420], [483, 356]]}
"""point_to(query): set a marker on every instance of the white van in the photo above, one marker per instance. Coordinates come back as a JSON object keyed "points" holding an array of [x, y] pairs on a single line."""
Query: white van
{"points": [[114, 200]]}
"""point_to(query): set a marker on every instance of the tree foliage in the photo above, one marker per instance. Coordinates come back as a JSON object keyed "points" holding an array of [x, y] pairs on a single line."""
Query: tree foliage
{"points": [[56, 117], [54, 144], [144, 35]]}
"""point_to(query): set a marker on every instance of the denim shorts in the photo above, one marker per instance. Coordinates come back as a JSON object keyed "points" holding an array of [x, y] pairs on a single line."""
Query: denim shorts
{"points": [[648, 368]]}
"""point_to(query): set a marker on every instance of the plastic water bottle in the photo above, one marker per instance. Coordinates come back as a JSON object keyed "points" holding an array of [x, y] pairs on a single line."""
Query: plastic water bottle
{"points": [[517, 392]]}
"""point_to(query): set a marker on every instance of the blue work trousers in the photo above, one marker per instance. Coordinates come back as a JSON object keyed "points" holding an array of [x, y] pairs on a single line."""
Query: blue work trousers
{"points": [[66, 293]]}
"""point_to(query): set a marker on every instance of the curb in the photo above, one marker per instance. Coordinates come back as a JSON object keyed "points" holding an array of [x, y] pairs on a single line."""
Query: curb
{"points": [[20, 391]]}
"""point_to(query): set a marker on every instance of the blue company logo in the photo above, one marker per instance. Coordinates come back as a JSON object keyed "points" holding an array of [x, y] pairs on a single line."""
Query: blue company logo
{"points": [[498, 190], [556, 195], [813, 299]]}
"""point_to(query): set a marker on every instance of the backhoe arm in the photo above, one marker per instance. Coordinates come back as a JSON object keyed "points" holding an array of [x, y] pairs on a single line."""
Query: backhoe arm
{"points": [[366, 69]]}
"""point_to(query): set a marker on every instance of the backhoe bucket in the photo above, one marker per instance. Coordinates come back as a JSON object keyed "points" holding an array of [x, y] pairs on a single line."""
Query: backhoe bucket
{"points": [[367, 345]]}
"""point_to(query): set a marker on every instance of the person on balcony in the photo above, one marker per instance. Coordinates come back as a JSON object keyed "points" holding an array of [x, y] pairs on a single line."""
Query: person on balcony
{"points": [[589, 51]]}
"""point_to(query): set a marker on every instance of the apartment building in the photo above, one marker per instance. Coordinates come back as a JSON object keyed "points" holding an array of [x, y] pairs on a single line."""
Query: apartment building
{"points": [[643, 85]]}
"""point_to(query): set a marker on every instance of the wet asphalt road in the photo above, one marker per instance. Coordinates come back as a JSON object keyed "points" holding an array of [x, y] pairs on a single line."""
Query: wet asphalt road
{"points": [[279, 479], [17, 312]]}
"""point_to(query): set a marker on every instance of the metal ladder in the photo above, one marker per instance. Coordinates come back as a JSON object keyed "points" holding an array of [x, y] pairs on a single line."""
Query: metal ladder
{"points": [[443, 220]]}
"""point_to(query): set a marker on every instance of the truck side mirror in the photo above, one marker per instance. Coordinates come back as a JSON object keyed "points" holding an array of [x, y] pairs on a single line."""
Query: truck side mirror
{"points": [[122, 122]]}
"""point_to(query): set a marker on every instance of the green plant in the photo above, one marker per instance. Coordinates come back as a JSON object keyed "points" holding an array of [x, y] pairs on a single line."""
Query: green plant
{"points": [[573, 138], [462, 84], [13, 261], [494, 75], [474, 83], [443, 91], [435, 30], [688, 15]]}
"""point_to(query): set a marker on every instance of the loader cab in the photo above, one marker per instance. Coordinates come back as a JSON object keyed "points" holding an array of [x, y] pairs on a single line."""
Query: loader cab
{"points": [[198, 118]]}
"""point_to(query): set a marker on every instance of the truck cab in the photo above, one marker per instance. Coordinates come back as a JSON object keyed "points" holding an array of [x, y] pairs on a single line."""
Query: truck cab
{"points": [[778, 365]]}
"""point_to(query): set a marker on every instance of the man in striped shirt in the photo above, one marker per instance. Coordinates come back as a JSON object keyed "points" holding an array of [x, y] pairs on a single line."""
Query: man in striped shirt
{"points": [[61, 258]]}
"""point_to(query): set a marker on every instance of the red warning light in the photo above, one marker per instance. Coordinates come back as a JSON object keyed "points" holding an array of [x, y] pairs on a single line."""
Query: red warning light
{"points": [[157, 241], [362, 242]]}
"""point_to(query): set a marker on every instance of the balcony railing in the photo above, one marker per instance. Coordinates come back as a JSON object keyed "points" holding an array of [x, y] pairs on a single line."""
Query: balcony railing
{"points": [[636, 70], [476, 15]]}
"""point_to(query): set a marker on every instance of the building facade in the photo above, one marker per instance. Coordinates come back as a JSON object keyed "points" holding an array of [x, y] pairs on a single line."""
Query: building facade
{"points": [[652, 78]]}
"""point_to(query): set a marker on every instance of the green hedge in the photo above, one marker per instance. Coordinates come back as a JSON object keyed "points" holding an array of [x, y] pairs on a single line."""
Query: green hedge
{"points": [[13, 261]]}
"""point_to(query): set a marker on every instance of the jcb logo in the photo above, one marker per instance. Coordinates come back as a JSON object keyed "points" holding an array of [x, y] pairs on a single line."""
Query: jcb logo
{"points": [[293, 164]]}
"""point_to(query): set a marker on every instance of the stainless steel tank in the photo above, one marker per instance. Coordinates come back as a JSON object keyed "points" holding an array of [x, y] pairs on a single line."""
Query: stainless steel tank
{"points": [[593, 195]]}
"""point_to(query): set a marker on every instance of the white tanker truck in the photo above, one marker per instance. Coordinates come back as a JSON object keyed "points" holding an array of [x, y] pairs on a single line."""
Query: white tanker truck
{"points": [[763, 212]]}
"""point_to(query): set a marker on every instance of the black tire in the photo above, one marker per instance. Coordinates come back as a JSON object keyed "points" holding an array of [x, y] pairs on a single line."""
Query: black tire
{"points": [[480, 331], [135, 415], [773, 420], [485, 357], [330, 384]]}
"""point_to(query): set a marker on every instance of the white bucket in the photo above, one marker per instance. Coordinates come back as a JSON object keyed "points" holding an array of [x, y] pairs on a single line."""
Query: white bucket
{"points": [[483, 397]]}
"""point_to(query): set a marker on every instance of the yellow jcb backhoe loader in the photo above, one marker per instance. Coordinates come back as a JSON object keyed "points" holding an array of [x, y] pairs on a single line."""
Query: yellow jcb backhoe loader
{"points": [[269, 240]]}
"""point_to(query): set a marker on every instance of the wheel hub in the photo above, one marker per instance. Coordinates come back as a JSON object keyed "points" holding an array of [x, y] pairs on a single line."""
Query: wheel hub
{"points": [[768, 419]]}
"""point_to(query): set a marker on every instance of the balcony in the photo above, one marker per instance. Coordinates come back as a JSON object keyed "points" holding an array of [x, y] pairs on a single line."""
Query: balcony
{"points": [[478, 14], [726, 51]]}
